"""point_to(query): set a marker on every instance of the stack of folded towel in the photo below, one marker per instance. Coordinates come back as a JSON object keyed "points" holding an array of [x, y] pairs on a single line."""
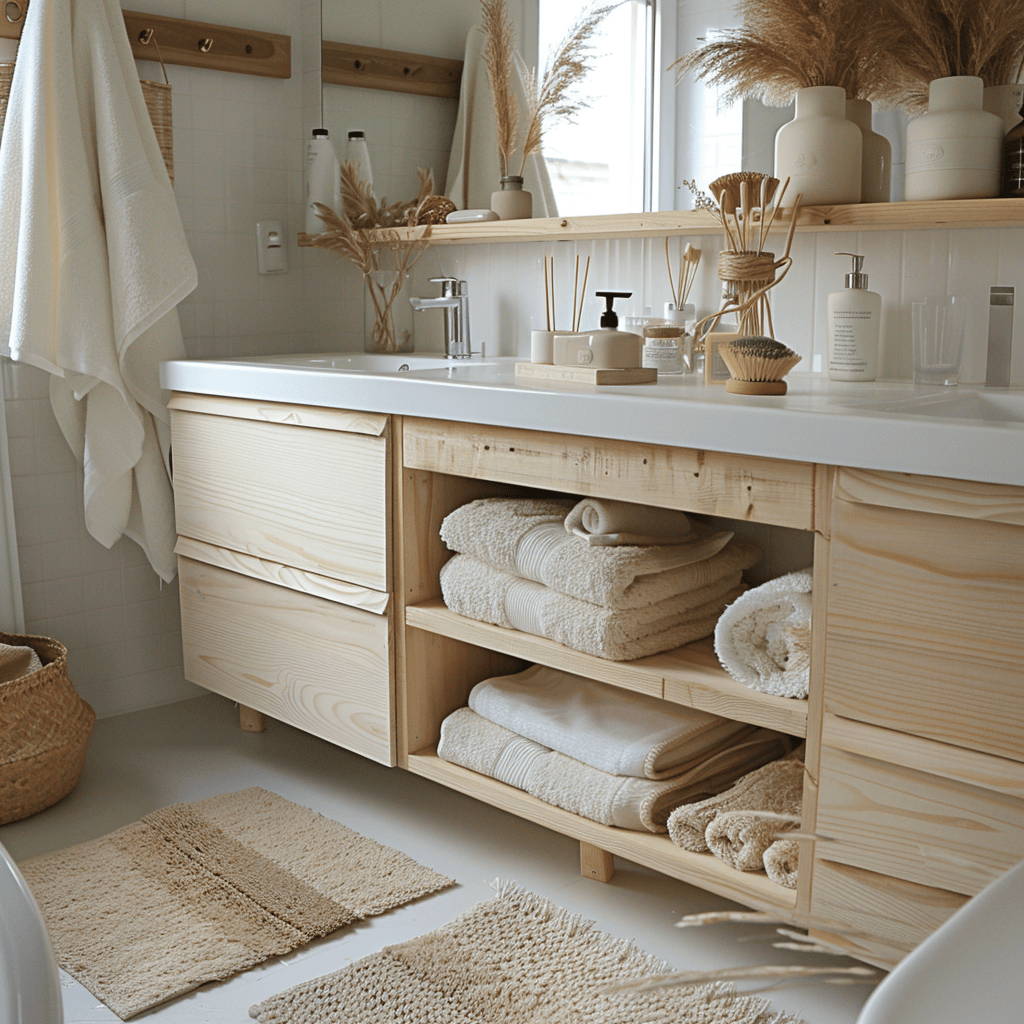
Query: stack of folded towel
{"points": [[613, 756], [734, 825], [764, 638], [533, 564]]}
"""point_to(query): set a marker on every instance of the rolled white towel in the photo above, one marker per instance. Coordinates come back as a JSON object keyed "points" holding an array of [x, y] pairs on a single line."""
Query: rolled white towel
{"points": [[763, 639], [607, 523]]}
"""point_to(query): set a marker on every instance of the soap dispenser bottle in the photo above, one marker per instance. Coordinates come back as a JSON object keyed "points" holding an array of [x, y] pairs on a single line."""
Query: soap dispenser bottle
{"points": [[854, 321]]}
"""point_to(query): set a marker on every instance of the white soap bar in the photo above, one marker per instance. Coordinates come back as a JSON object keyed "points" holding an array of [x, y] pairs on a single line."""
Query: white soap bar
{"points": [[462, 216]]}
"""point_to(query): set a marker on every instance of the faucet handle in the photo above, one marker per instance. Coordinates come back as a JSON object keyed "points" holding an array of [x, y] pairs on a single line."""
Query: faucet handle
{"points": [[448, 285]]}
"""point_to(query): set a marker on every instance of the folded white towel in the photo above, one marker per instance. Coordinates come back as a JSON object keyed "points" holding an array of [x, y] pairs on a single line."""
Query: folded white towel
{"points": [[96, 261], [527, 538], [625, 802], [764, 638], [479, 591], [608, 523], [616, 730]]}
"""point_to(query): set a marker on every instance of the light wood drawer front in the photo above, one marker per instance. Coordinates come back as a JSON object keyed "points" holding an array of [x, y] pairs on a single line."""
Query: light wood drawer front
{"points": [[316, 664], [881, 918], [918, 827], [310, 498], [925, 627]]}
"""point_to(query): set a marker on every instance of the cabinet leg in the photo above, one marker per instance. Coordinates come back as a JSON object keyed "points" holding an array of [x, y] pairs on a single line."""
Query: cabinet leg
{"points": [[596, 863], [250, 719]]}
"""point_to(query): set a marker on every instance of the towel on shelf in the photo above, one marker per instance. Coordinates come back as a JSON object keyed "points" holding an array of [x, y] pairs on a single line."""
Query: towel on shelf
{"points": [[776, 788], [17, 661], [480, 591], [608, 523], [526, 537], [619, 731], [96, 261], [741, 838], [764, 638], [782, 862], [640, 805]]}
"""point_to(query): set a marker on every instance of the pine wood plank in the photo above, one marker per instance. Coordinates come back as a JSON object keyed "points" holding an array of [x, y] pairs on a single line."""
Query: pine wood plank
{"points": [[369, 67], [251, 720], [315, 664], [658, 852], [596, 863], [715, 483], [539, 373], [316, 417]]}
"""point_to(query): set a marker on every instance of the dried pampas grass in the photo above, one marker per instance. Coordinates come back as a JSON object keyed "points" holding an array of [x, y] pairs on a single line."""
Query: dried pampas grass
{"points": [[499, 53]]}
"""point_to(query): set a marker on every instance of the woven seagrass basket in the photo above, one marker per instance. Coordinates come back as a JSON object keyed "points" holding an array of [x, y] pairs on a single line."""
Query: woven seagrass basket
{"points": [[44, 728], [158, 102]]}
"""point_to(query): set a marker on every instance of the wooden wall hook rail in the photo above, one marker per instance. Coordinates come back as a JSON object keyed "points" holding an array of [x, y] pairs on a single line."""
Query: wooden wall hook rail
{"points": [[197, 44], [393, 70]]}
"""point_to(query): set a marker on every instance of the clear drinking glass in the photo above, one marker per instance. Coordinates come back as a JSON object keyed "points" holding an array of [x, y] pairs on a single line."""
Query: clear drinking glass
{"points": [[937, 324]]}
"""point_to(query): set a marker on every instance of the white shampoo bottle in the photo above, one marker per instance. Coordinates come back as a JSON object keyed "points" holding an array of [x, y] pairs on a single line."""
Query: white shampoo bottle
{"points": [[322, 178], [854, 321]]}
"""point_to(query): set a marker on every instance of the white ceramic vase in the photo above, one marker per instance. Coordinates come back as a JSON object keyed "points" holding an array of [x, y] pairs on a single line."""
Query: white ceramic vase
{"points": [[512, 201], [1005, 102], [954, 151], [819, 150], [876, 154]]}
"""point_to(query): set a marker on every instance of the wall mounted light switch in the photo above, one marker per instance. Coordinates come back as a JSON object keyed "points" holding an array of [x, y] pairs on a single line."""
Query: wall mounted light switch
{"points": [[271, 254]]}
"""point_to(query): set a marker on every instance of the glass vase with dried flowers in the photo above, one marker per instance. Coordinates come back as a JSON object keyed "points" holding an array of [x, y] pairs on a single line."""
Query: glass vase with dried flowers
{"points": [[550, 97], [366, 233]]}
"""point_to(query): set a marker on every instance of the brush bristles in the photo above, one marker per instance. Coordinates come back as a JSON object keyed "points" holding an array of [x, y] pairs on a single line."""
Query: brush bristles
{"points": [[758, 358]]}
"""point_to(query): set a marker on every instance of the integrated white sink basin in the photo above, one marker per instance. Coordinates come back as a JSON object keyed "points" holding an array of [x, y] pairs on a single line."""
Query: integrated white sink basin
{"points": [[362, 363], [992, 406]]}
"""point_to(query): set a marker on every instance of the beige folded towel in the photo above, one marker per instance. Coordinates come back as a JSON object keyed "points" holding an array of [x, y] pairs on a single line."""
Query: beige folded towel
{"points": [[619, 800], [608, 523], [480, 591], [17, 661], [619, 731], [781, 861], [777, 788], [526, 537], [740, 838]]}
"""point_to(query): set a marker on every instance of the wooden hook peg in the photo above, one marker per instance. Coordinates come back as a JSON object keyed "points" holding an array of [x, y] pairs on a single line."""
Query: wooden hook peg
{"points": [[205, 45], [14, 11]]}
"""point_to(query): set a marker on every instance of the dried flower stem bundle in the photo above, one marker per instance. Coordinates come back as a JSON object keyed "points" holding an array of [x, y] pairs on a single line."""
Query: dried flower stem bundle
{"points": [[766, 972], [498, 60]]}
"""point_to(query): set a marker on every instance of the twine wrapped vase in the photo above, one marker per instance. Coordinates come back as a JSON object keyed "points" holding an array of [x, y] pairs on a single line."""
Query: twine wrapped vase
{"points": [[955, 150], [820, 150]]}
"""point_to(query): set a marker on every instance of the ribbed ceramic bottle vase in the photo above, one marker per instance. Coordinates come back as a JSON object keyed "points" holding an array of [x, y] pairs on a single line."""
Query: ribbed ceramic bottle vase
{"points": [[876, 154], [512, 201], [954, 151], [819, 150]]}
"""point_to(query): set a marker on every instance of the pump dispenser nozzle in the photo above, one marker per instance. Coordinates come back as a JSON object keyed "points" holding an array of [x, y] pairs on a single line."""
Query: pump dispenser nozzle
{"points": [[856, 278], [609, 318]]}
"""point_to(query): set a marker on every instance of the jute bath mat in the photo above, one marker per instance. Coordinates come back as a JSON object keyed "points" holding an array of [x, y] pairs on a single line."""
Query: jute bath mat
{"points": [[197, 892], [516, 959]]}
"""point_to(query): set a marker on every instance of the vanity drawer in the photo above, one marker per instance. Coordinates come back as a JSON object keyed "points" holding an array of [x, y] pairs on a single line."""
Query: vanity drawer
{"points": [[287, 483], [924, 625], [912, 825], [314, 663]]}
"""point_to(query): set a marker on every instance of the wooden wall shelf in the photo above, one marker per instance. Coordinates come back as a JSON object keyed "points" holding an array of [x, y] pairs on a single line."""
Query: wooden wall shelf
{"points": [[197, 44], [367, 67]]}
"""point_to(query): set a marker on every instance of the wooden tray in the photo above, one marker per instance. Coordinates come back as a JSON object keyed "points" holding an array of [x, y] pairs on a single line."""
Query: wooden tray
{"points": [[536, 373]]}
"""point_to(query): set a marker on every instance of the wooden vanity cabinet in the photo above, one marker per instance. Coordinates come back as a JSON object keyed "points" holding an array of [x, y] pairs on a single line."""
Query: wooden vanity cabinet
{"points": [[285, 563]]}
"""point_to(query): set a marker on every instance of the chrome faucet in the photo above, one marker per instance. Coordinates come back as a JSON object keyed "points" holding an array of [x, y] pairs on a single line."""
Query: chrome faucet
{"points": [[1000, 337], [454, 300]]}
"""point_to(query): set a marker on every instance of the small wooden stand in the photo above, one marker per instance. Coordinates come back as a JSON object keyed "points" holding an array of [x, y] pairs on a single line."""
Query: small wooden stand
{"points": [[541, 373], [596, 863], [250, 720]]}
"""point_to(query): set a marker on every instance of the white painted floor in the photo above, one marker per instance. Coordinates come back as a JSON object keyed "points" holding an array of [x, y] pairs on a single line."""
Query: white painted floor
{"points": [[145, 760]]}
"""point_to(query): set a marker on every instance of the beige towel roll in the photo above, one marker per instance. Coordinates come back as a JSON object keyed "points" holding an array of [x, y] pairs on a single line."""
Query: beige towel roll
{"points": [[781, 861], [740, 838], [608, 523]]}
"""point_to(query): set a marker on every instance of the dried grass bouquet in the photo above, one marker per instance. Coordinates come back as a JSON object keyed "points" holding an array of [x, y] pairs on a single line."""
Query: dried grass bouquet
{"points": [[552, 97]]}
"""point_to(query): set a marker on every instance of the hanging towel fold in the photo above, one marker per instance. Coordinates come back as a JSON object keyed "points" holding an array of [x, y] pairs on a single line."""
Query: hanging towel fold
{"points": [[625, 802], [479, 591], [608, 523], [764, 639], [526, 537], [782, 862], [604, 726], [96, 261], [776, 787]]}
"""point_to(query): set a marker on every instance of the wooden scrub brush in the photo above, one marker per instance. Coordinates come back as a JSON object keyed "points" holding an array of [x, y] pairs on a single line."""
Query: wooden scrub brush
{"points": [[757, 365]]}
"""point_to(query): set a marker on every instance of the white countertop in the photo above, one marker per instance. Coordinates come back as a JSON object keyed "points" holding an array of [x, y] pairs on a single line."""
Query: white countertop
{"points": [[957, 432]]}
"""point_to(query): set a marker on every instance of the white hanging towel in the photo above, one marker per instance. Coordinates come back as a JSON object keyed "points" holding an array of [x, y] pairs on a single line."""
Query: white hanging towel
{"points": [[95, 262], [473, 168]]}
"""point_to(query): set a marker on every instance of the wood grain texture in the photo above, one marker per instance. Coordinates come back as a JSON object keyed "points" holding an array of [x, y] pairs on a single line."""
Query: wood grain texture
{"points": [[997, 503], [596, 863], [886, 917], [914, 826], [924, 626], [314, 416], [654, 851], [539, 373], [285, 576], [251, 720], [369, 67], [715, 483], [315, 664], [312, 499]]}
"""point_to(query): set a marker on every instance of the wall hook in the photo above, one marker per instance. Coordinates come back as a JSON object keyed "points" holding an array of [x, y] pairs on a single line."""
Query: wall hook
{"points": [[146, 36], [15, 10], [205, 45]]}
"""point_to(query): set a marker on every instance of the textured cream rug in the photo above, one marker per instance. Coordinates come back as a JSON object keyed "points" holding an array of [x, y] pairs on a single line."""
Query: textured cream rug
{"points": [[516, 959], [197, 892]]}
